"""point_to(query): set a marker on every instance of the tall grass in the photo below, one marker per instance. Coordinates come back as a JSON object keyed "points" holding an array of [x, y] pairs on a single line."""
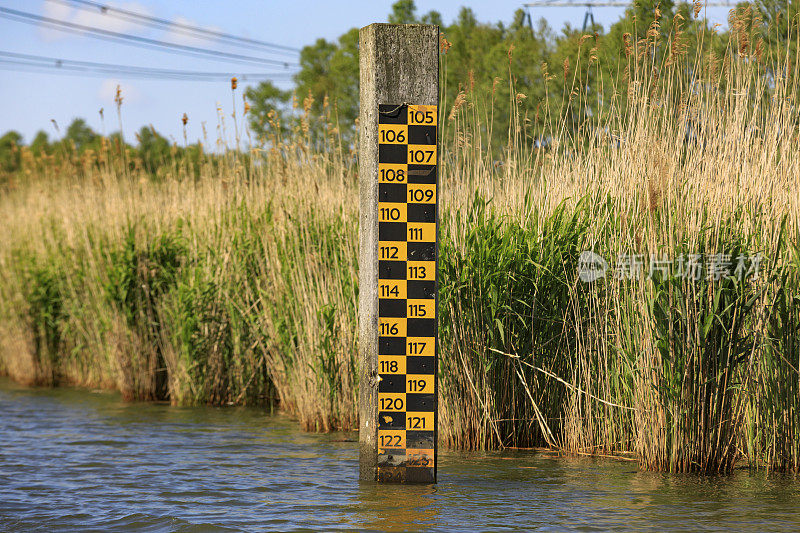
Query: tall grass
{"points": [[237, 287], [233, 279], [690, 375]]}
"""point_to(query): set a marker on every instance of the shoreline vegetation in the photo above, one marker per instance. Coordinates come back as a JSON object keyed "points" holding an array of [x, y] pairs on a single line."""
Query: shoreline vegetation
{"points": [[230, 276]]}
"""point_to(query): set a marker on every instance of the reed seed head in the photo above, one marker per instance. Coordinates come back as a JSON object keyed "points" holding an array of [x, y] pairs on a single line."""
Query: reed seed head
{"points": [[444, 44]]}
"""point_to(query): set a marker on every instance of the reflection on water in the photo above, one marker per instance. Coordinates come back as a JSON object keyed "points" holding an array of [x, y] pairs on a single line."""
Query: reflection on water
{"points": [[87, 461], [395, 507]]}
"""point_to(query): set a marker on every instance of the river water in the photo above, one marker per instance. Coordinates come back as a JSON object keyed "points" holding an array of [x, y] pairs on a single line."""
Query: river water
{"points": [[86, 461]]}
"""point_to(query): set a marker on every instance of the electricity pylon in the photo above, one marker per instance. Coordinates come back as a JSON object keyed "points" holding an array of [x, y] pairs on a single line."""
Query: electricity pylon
{"points": [[589, 16]]}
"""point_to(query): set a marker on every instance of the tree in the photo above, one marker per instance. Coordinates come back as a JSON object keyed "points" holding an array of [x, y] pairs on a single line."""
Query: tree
{"points": [[493, 67], [510, 73], [40, 144], [403, 12], [267, 104], [81, 135], [331, 70], [154, 149], [432, 17], [9, 151], [780, 20], [328, 76]]}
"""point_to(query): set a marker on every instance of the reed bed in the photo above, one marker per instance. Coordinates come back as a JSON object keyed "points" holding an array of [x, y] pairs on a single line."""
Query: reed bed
{"points": [[234, 281]]}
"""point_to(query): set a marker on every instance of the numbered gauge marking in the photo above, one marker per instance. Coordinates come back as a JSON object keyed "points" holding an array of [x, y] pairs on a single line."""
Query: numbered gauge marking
{"points": [[419, 457], [421, 270], [394, 289], [391, 364], [420, 383], [422, 420], [421, 232], [392, 439], [424, 115], [421, 308], [421, 193], [422, 154], [421, 346], [392, 250], [392, 173], [392, 212], [407, 287], [392, 134], [391, 402], [392, 327]]}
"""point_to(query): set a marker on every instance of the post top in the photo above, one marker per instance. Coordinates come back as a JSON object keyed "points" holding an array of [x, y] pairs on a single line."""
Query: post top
{"points": [[386, 24]]}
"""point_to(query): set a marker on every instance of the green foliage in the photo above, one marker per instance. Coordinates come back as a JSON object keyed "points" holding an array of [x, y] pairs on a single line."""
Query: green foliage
{"points": [[432, 17], [41, 144], [330, 71], [505, 307], [83, 151], [9, 151], [561, 78], [43, 284], [267, 106], [140, 275], [701, 329], [313, 250], [154, 150], [81, 135], [779, 372], [403, 12], [513, 71], [328, 77]]}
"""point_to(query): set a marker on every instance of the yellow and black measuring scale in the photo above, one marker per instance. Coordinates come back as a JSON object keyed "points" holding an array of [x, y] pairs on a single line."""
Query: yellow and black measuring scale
{"points": [[407, 292]]}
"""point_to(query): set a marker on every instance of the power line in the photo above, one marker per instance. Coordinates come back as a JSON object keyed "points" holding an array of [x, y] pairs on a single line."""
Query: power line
{"points": [[33, 63], [186, 28], [30, 18], [22, 66]]}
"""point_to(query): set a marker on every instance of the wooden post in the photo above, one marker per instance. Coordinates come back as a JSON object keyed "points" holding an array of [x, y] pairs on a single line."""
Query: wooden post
{"points": [[398, 255]]}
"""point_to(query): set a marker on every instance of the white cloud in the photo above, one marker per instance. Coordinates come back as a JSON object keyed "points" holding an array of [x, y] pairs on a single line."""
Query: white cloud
{"points": [[89, 17], [108, 92], [180, 36]]}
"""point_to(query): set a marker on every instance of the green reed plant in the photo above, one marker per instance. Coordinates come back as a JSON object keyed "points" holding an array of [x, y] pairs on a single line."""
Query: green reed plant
{"points": [[506, 306], [44, 299], [771, 435]]}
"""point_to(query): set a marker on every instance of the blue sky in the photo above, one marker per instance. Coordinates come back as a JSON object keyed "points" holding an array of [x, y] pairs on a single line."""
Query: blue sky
{"points": [[28, 101]]}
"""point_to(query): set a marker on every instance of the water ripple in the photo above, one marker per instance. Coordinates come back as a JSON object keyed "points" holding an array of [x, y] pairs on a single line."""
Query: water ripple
{"points": [[73, 461]]}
